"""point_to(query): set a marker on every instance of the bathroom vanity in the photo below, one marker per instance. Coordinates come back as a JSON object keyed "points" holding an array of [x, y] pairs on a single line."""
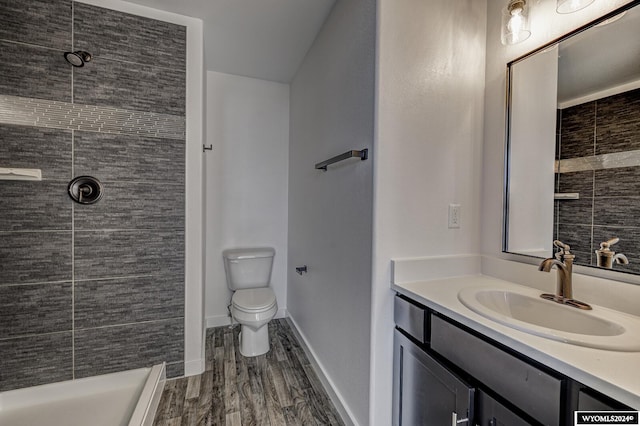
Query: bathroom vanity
{"points": [[453, 365], [473, 349]]}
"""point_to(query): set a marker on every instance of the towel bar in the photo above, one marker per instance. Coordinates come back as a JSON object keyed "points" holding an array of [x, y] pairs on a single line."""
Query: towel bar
{"points": [[362, 154]]}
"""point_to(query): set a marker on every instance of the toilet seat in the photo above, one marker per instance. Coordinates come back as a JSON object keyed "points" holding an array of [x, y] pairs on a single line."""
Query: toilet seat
{"points": [[254, 300]]}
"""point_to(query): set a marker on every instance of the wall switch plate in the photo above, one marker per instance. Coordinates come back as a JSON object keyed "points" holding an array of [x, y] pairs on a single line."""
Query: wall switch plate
{"points": [[454, 216]]}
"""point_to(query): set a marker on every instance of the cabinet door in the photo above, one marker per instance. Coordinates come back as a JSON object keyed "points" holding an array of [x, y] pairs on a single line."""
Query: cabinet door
{"points": [[587, 402], [490, 412], [425, 392]]}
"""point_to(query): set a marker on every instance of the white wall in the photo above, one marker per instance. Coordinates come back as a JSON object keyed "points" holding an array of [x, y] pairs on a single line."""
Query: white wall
{"points": [[330, 213], [546, 25], [246, 180], [430, 87]]}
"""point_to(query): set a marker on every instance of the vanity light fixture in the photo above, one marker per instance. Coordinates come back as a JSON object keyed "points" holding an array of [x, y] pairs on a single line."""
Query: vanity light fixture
{"points": [[570, 6], [515, 22]]}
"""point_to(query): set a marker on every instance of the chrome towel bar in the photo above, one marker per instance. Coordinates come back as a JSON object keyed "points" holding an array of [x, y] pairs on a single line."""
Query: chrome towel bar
{"points": [[362, 154]]}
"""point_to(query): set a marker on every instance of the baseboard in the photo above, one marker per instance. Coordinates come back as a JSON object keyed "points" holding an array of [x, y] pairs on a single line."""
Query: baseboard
{"points": [[217, 321], [222, 320], [334, 395]]}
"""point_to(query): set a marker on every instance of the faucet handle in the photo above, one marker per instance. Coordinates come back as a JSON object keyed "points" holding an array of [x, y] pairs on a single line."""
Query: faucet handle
{"points": [[563, 248], [609, 243]]}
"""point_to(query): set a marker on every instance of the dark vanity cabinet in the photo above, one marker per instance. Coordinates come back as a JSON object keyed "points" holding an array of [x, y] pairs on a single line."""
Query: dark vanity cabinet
{"points": [[427, 392], [446, 374]]}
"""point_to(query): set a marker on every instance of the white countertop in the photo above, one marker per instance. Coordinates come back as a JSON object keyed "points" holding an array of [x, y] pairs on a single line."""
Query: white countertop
{"points": [[616, 374]]}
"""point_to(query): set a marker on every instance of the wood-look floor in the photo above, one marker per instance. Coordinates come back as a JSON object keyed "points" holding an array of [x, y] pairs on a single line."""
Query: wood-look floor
{"points": [[278, 388]]}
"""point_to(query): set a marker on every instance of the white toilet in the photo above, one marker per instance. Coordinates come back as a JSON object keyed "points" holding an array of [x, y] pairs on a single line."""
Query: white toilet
{"points": [[253, 303]]}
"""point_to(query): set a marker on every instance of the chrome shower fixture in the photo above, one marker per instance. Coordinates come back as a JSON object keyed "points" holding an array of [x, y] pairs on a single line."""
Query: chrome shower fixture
{"points": [[77, 58]]}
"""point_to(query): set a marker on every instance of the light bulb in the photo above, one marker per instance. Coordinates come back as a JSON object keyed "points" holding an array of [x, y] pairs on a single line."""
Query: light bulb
{"points": [[515, 22]]}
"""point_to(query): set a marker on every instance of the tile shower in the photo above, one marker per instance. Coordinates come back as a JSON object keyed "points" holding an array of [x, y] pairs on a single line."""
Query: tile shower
{"points": [[90, 289], [609, 203]]}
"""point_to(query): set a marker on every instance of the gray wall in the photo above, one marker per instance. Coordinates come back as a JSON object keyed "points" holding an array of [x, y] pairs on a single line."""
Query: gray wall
{"points": [[330, 213], [90, 289], [609, 204]]}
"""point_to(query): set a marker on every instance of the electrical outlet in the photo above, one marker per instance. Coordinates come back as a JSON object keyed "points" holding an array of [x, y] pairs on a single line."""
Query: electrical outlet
{"points": [[454, 216]]}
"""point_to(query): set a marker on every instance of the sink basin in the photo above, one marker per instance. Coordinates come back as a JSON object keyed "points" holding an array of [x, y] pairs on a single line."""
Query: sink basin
{"points": [[524, 310]]}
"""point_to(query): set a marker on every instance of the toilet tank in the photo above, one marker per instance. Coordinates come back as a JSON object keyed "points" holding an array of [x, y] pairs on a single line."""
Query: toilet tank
{"points": [[248, 268]]}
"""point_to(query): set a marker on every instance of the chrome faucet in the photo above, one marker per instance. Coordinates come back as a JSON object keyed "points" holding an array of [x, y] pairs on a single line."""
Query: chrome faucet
{"points": [[563, 262], [605, 257]]}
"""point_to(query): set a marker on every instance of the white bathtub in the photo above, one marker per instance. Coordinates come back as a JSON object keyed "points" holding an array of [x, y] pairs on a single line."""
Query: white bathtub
{"points": [[128, 398]]}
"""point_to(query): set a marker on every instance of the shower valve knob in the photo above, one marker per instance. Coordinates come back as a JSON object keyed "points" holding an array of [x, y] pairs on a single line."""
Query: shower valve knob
{"points": [[85, 190]]}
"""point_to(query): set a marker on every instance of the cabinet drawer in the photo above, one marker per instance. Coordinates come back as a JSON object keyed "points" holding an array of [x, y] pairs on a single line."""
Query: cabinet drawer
{"points": [[410, 317], [528, 388]]}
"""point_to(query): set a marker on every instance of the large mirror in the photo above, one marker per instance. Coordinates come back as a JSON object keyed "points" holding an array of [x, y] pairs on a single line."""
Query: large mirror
{"points": [[573, 149]]}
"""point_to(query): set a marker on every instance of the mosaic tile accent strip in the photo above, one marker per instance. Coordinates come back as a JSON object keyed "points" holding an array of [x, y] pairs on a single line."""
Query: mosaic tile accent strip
{"points": [[68, 116], [614, 160]]}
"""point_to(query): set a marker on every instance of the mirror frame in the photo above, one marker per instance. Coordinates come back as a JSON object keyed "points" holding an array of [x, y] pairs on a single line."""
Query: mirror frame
{"points": [[616, 275]]}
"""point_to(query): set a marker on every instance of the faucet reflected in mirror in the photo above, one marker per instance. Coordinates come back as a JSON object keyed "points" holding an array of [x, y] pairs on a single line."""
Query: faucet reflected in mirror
{"points": [[606, 257], [563, 262]]}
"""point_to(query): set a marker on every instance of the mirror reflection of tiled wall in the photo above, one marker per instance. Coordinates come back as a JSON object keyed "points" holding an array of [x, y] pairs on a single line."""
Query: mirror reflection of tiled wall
{"points": [[605, 133], [90, 289]]}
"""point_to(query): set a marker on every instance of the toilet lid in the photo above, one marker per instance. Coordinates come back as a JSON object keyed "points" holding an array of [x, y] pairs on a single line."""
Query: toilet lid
{"points": [[255, 299]]}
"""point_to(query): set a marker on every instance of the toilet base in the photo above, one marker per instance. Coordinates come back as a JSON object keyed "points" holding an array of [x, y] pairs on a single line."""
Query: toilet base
{"points": [[254, 343]]}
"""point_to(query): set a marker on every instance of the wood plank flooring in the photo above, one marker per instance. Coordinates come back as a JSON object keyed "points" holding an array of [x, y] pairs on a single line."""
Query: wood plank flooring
{"points": [[278, 388]]}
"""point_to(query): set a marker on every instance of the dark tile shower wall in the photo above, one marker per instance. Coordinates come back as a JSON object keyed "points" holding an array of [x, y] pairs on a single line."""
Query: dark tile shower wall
{"points": [[609, 204], [90, 289]]}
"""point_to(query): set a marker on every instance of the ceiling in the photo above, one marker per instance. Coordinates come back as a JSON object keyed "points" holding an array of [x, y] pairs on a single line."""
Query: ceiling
{"points": [[264, 39], [600, 58]]}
